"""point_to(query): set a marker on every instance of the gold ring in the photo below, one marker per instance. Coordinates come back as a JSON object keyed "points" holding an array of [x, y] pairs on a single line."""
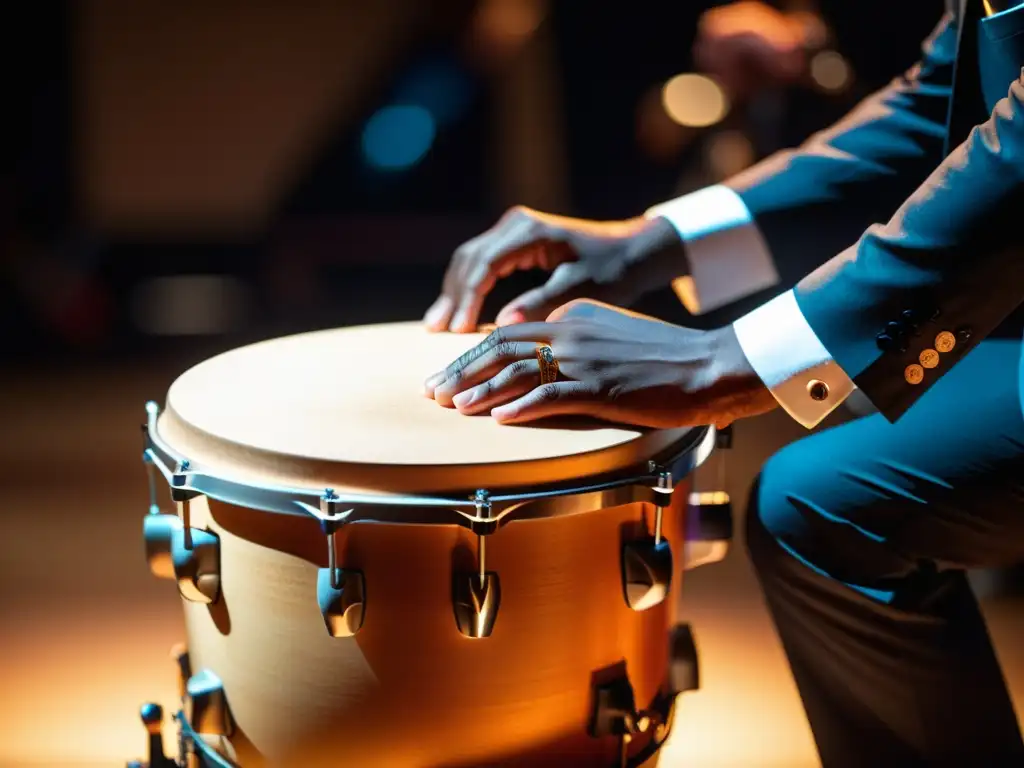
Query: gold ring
{"points": [[548, 364]]}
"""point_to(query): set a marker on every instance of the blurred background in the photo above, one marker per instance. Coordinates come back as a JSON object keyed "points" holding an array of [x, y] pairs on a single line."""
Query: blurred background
{"points": [[177, 179]]}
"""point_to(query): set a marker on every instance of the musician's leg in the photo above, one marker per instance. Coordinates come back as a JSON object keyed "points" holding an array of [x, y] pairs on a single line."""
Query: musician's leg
{"points": [[860, 535]]}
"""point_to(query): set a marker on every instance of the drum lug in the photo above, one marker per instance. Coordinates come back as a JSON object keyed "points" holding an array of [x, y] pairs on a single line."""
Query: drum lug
{"points": [[684, 669], [476, 599], [615, 714], [647, 564], [190, 556], [197, 568], [341, 595], [206, 706], [157, 532], [340, 592], [646, 573]]}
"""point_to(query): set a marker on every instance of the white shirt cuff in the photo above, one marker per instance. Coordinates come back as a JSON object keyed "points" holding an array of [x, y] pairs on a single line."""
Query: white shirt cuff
{"points": [[727, 255], [786, 353]]}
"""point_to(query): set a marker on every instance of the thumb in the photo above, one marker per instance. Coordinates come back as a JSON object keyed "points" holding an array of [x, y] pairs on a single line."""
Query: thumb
{"points": [[566, 283]]}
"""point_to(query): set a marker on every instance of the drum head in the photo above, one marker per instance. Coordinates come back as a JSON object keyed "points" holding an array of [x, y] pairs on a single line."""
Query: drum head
{"points": [[345, 409]]}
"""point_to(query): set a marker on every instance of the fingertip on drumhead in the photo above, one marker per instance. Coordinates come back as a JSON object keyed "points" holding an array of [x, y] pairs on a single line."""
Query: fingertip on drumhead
{"points": [[436, 318]]}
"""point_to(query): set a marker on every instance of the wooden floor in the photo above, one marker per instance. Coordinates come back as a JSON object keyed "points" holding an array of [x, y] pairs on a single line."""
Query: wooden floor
{"points": [[85, 630]]}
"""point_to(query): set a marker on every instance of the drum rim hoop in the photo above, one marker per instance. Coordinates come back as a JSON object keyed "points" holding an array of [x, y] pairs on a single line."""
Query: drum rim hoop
{"points": [[188, 481]]}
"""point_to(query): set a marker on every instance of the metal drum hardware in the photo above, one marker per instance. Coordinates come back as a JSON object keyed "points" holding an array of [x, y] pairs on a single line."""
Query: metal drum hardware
{"points": [[477, 596], [340, 593]]}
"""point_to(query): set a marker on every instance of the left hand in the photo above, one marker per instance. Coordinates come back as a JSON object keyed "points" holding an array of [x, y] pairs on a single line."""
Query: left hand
{"points": [[614, 365]]}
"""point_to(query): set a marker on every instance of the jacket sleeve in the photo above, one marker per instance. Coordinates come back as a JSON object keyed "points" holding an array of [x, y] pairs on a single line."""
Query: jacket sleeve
{"points": [[905, 303], [774, 222]]}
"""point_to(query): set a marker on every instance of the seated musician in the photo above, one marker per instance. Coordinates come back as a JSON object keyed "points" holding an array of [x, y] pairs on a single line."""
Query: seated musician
{"points": [[861, 533]]}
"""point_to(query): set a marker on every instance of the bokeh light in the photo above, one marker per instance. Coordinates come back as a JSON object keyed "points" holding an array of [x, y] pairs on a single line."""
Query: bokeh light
{"points": [[830, 71], [727, 153], [440, 87], [397, 137], [694, 100]]}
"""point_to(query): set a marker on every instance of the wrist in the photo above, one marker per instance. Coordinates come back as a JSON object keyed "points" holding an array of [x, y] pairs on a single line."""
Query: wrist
{"points": [[654, 254], [728, 360]]}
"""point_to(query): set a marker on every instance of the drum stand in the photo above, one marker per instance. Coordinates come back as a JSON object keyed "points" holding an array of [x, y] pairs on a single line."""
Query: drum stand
{"points": [[204, 722]]}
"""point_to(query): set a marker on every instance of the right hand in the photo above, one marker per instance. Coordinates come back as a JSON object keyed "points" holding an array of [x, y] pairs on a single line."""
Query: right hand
{"points": [[604, 260]]}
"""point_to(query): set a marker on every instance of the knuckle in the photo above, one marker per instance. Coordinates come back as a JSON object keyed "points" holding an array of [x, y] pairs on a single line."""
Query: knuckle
{"points": [[504, 350], [547, 392], [518, 369]]}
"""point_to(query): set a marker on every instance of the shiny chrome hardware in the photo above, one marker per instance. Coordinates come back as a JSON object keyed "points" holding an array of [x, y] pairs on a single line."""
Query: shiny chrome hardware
{"points": [[157, 531], [477, 597], [206, 706], [152, 716], [191, 556], [341, 596], [615, 713], [476, 600], [204, 745], [684, 670], [340, 593], [647, 563], [196, 555], [646, 573], [187, 479]]}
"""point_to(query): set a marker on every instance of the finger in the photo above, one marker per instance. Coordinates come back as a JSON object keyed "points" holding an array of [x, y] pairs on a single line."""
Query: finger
{"points": [[579, 309], [566, 283], [534, 332], [560, 398], [439, 314], [485, 264], [513, 381], [482, 368]]}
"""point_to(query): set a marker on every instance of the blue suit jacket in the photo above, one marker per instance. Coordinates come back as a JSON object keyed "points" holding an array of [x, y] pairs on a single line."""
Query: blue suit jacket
{"points": [[939, 156]]}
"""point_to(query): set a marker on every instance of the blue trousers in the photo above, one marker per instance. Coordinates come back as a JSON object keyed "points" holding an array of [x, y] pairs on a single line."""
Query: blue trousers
{"points": [[860, 536]]}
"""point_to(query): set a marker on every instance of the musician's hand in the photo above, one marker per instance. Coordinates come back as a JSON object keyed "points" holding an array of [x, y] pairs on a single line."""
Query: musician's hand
{"points": [[615, 261], [614, 365]]}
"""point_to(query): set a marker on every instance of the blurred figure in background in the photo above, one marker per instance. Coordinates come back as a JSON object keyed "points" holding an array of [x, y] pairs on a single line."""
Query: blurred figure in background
{"points": [[748, 46]]}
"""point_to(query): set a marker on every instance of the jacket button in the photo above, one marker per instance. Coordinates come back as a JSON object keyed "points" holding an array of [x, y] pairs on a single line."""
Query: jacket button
{"points": [[818, 390], [895, 329], [913, 320]]}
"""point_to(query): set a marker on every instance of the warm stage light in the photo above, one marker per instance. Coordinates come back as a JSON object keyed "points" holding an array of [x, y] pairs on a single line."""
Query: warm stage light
{"points": [[830, 71], [694, 100]]}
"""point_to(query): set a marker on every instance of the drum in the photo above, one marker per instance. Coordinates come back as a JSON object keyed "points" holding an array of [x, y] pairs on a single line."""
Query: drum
{"points": [[370, 579]]}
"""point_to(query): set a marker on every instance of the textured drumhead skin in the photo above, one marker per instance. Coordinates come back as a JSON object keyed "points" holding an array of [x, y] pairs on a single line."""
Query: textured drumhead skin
{"points": [[345, 409]]}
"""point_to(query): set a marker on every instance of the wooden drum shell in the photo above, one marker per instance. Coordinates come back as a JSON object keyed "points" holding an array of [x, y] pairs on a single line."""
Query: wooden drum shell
{"points": [[409, 691]]}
